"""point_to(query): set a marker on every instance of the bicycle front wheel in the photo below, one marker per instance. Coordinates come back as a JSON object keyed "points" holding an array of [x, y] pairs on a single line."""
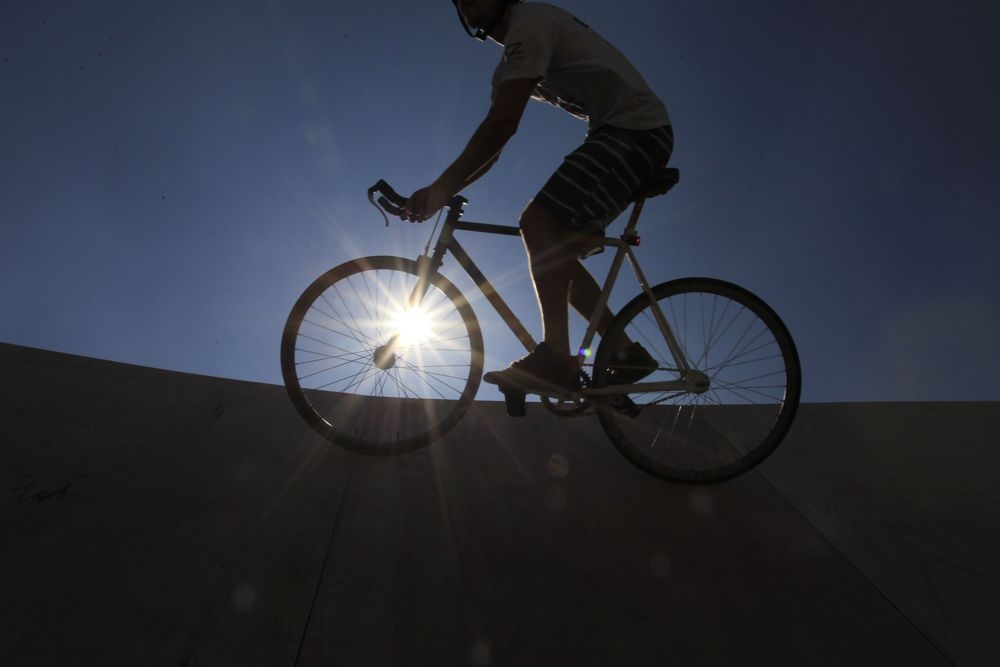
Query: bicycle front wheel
{"points": [[733, 339], [374, 367]]}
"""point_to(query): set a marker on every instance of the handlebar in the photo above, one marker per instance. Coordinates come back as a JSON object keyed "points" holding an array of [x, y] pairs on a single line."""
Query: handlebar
{"points": [[392, 202]]}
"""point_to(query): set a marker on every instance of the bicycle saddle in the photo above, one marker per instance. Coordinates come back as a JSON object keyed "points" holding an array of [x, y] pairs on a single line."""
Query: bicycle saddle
{"points": [[661, 182]]}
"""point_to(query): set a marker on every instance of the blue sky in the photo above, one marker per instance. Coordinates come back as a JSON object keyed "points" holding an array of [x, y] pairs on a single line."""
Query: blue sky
{"points": [[174, 174]]}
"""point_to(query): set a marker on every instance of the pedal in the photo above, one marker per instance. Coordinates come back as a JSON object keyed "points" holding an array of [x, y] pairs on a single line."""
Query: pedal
{"points": [[514, 401]]}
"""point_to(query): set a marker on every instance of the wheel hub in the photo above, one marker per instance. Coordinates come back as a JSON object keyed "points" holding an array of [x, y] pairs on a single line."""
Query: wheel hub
{"points": [[698, 381], [385, 355]]}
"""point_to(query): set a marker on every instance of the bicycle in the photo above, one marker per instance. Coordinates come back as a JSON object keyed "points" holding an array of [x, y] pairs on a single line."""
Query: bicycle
{"points": [[384, 355]]}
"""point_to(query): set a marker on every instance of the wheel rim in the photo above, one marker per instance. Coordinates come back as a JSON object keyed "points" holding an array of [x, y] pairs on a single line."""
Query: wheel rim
{"points": [[745, 351], [370, 373]]}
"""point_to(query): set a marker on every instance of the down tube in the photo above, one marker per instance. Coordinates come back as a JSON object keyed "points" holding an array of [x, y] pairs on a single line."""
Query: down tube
{"points": [[491, 295]]}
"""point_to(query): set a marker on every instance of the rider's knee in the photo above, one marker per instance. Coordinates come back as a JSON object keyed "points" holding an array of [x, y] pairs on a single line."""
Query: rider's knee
{"points": [[538, 223]]}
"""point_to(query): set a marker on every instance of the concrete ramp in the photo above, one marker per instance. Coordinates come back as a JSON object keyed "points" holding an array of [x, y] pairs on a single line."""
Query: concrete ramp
{"points": [[156, 518]]}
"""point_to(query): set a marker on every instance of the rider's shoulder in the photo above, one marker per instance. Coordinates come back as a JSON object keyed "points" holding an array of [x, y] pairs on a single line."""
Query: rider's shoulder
{"points": [[538, 19], [540, 9]]}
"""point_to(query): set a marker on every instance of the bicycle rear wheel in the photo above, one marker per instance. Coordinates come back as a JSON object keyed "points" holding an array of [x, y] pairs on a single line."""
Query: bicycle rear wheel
{"points": [[371, 373], [750, 360]]}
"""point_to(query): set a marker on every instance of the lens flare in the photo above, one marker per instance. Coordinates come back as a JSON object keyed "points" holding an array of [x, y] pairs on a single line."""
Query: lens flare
{"points": [[413, 325]]}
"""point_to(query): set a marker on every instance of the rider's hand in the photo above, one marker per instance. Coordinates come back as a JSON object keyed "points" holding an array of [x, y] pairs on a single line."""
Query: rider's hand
{"points": [[425, 202]]}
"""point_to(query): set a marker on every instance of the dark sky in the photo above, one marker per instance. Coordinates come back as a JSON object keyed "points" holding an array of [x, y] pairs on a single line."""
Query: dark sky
{"points": [[174, 174]]}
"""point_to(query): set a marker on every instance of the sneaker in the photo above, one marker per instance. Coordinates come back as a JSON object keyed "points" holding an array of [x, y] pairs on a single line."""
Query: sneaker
{"points": [[543, 371], [631, 364]]}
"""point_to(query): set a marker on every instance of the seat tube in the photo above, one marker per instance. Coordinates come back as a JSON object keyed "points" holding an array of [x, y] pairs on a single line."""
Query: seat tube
{"points": [[634, 218], [605, 296]]}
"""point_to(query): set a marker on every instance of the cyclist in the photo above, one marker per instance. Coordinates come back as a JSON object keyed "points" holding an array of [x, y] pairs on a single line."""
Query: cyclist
{"points": [[552, 56]]}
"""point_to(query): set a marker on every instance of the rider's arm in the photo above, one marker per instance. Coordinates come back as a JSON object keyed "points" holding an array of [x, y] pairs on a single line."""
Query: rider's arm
{"points": [[481, 152], [479, 172], [500, 124]]}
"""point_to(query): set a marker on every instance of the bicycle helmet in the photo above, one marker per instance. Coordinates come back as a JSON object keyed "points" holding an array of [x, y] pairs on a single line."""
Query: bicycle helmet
{"points": [[481, 33]]}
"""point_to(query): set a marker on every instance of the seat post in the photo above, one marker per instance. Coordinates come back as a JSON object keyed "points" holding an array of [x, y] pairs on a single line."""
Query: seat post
{"points": [[634, 218]]}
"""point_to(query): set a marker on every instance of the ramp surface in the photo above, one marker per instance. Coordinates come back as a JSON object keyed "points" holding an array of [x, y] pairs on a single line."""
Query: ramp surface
{"points": [[158, 518]]}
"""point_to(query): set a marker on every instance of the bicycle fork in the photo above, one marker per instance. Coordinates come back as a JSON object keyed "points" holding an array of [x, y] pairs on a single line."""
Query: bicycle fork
{"points": [[385, 356]]}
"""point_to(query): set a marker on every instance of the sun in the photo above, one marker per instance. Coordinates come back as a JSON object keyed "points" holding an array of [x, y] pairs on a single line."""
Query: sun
{"points": [[413, 325]]}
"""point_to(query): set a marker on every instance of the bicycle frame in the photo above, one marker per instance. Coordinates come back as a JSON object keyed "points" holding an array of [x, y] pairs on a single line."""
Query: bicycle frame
{"points": [[689, 380], [378, 376]]}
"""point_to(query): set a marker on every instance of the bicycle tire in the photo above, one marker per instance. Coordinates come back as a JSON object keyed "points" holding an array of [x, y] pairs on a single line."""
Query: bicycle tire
{"points": [[749, 356], [360, 385]]}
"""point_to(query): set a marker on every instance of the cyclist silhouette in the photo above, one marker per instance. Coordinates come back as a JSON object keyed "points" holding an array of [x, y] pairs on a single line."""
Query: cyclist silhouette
{"points": [[552, 56]]}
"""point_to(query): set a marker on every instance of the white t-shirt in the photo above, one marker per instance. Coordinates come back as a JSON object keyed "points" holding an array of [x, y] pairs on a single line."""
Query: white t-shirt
{"points": [[581, 72]]}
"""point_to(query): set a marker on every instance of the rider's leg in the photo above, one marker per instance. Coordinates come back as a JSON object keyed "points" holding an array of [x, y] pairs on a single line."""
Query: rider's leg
{"points": [[551, 258], [584, 293], [556, 270], [549, 368], [592, 185]]}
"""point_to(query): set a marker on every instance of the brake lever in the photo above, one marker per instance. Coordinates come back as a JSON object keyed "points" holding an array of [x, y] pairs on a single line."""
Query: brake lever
{"points": [[390, 202]]}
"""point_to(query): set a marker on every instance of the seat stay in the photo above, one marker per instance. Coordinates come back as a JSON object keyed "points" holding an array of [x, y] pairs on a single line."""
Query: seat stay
{"points": [[668, 334], [624, 250]]}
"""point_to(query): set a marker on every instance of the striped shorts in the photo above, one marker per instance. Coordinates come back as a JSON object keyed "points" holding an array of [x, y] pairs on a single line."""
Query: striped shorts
{"points": [[598, 180]]}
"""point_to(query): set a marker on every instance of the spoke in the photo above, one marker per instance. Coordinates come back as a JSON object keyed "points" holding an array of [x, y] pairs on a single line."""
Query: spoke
{"points": [[667, 398], [743, 392], [690, 436], [327, 343], [369, 298], [438, 377], [718, 334], [361, 303], [422, 384], [755, 360], [326, 370], [323, 356], [356, 329], [751, 379], [738, 351]]}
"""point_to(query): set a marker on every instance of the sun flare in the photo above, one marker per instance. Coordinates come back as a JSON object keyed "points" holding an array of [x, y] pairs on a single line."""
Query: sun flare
{"points": [[413, 325]]}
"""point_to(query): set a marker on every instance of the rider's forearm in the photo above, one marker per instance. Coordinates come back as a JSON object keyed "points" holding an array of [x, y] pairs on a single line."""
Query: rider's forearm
{"points": [[479, 172], [479, 155]]}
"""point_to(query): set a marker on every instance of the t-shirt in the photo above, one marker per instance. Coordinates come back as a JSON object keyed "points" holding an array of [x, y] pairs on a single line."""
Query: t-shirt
{"points": [[580, 71]]}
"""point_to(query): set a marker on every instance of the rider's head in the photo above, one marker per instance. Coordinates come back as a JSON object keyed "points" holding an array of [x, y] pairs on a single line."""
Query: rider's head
{"points": [[480, 17]]}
